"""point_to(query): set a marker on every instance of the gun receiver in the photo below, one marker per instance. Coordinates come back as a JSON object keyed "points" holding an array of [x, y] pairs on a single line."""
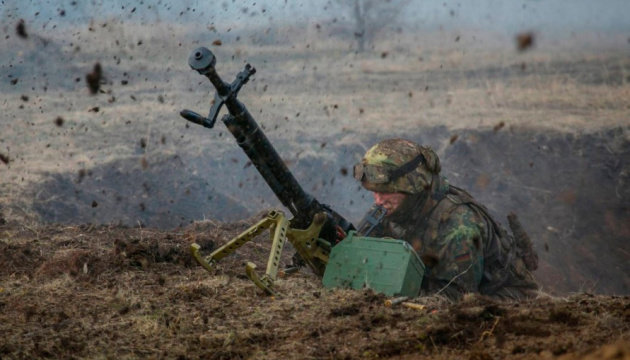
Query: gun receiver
{"points": [[262, 154]]}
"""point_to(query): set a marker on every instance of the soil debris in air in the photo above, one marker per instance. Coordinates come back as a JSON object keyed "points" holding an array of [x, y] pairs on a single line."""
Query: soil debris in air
{"points": [[20, 29], [524, 41], [93, 79]]}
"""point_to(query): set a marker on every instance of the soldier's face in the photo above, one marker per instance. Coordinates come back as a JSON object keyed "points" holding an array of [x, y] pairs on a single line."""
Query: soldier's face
{"points": [[390, 201]]}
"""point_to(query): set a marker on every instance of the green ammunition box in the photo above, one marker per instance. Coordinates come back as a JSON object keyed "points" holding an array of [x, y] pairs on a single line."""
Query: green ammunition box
{"points": [[386, 266]]}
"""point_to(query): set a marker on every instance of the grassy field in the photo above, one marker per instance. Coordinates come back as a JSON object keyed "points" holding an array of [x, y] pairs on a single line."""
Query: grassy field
{"points": [[316, 89]]}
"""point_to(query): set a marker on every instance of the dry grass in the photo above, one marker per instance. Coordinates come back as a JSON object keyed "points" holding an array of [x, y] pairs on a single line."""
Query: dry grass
{"points": [[333, 90], [317, 92], [168, 309]]}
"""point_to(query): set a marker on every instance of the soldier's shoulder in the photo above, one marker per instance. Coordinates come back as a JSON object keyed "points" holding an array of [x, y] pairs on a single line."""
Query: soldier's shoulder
{"points": [[453, 209]]}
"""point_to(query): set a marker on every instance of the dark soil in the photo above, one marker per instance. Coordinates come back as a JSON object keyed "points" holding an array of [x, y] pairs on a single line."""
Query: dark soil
{"points": [[116, 292], [156, 192]]}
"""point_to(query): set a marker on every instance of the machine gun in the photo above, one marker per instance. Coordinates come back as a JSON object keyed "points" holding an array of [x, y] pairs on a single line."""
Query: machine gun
{"points": [[314, 228]]}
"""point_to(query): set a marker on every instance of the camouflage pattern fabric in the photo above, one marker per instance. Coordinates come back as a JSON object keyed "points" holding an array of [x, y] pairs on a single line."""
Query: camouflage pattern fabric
{"points": [[391, 154], [463, 248]]}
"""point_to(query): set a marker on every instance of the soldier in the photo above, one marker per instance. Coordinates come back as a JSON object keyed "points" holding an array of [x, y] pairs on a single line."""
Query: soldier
{"points": [[463, 248]]}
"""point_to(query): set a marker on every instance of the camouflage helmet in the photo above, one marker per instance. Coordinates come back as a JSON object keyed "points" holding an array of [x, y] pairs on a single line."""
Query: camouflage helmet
{"points": [[397, 165]]}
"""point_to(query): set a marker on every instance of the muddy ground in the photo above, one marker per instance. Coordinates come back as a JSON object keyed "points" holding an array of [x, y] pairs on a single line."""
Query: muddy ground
{"points": [[115, 292]]}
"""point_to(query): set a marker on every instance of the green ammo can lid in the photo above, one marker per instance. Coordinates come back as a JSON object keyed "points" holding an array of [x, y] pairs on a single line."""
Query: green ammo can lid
{"points": [[385, 265]]}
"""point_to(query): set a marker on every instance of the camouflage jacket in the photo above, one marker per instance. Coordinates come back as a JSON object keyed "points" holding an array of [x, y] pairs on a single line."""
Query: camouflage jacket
{"points": [[463, 248]]}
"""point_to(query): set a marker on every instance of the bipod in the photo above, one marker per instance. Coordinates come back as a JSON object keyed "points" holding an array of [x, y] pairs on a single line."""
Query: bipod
{"points": [[306, 242]]}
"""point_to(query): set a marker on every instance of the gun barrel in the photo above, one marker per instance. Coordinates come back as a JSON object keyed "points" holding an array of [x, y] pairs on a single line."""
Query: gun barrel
{"points": [[263, 155], [257, 147]]}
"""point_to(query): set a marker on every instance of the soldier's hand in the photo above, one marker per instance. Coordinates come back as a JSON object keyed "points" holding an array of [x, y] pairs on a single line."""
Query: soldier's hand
{"points": [[340, 234]]}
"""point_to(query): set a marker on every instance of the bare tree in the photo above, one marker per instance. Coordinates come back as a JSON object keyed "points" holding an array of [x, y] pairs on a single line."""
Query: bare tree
{"points": [[370, 17]]}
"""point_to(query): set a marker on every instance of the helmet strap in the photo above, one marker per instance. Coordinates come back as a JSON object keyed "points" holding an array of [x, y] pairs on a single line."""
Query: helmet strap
{"points": [[407, 167]]}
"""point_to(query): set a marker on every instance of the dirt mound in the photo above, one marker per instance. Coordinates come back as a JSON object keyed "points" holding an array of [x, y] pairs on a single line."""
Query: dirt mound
{"points": [[17, 258], [618, 350], [570, 191], [89, 291], [158, 192]]}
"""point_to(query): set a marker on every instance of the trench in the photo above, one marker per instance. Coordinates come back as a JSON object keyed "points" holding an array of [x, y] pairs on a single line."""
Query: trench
{"points": [[571, 191]]}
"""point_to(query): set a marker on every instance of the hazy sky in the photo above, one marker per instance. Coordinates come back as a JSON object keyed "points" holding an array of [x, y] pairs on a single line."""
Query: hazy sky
{"points": [[557, 15]]}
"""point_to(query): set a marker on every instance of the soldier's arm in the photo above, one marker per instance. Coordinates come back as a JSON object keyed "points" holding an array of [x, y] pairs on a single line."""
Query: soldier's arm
{"points": [[457, 253]]}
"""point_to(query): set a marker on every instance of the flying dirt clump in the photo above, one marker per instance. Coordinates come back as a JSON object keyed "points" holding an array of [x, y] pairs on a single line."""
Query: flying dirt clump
{"points": [[93, 79], [524, 41], [20, 29], [4, 159]]}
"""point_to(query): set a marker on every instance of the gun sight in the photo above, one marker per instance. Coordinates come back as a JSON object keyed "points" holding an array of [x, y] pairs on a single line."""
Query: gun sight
{"points": [[202, 60]]}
